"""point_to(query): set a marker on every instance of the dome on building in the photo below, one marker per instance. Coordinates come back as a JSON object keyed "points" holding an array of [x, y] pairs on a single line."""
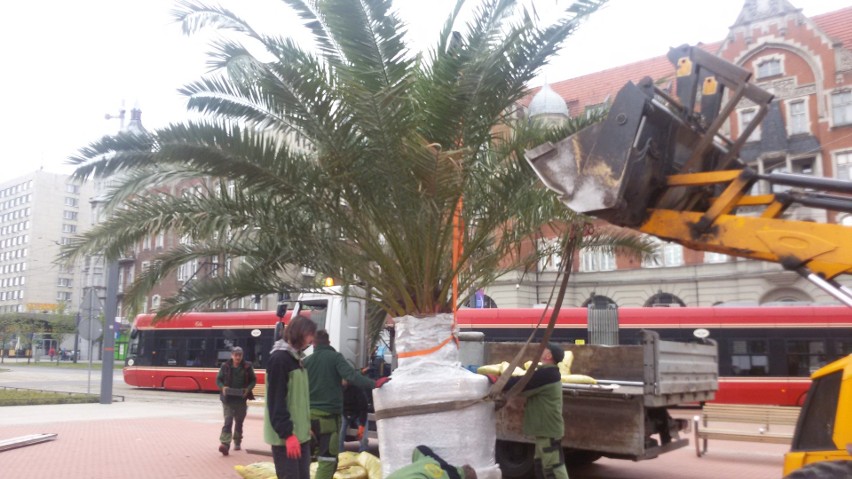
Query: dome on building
{"points": [[547, 102]]}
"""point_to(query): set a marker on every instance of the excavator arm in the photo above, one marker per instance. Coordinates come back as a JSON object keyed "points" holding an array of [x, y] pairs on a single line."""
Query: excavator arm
{"points": [[659, 164]]}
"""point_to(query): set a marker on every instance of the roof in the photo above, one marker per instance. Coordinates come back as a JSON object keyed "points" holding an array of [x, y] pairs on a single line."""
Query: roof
{"points": [[596, 88], [837, 25]]}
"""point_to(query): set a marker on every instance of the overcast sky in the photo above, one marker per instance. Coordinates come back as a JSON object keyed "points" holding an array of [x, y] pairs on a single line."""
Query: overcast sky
{"points": [[66, 64]]}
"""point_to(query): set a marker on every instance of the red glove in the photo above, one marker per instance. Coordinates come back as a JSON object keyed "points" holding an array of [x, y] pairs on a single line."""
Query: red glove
{"points": [[360, 432], [381, 381], [294, 449], [492, 378]]}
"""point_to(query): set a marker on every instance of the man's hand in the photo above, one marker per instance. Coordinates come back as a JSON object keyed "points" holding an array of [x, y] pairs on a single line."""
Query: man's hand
{"points": [[225, 390], [294, 449], [360, 432], [381, 381]]}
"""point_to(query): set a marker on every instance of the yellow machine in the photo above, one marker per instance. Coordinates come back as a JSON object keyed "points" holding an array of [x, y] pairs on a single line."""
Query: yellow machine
{"points": [[659, 164]]}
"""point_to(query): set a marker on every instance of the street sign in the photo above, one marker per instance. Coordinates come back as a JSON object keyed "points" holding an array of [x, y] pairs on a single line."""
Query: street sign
{"points": [[90, 329]]}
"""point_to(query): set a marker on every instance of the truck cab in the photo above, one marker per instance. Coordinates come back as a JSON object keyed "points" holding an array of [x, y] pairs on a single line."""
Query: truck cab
{"points": [[823, 438]]}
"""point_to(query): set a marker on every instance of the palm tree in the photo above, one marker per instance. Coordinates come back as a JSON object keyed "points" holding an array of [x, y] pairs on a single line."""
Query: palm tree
{"points": [[395, 140], [351, 159]]}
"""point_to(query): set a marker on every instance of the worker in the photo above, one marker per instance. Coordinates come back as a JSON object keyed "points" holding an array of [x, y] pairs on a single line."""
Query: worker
{"points": [[356, 408], [327, 369], [543, 413], [286, 418], [235, 380], [425, 464]]}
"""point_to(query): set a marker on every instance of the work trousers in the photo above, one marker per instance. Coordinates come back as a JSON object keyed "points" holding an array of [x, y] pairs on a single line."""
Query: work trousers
{"points": [[326, 443], [235, 415], [352, 421], [549, 459], [286, 468]]}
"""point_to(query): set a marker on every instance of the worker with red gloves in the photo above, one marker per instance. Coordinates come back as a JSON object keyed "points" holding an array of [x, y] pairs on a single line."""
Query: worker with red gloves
{"points": [[286, 418], [327, 369]]}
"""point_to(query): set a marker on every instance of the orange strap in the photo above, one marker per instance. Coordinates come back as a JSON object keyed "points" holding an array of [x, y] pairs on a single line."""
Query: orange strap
{"points": [[423, 352]]}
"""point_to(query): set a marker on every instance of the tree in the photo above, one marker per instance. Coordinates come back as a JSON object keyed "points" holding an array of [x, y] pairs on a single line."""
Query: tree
{"points": [[349, 159]]}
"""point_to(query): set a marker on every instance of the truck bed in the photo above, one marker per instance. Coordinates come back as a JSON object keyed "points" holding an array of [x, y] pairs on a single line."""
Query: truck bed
{"points": [[630, 421]]}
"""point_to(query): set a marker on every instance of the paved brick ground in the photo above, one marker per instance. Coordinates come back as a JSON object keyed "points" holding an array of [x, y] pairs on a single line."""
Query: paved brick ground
{"points": [[146, 441]]}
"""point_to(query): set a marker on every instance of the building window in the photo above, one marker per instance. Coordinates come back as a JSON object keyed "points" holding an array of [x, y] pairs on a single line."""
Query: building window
{"points": [[596, 260], [668, 254], [69, 188], [713, 257], [68, 215], [71, 201], [64, 282], [69, 228], [551, 259], [769, 68], [161, 239], [841, 108], [155, 302], [746, 117], [844, 166], [798, 117]]}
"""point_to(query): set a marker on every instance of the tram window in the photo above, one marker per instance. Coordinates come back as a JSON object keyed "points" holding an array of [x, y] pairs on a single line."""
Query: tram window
{"points": [[749, 357], [844, 348], [195, 348], [223, 349], [167, 351], [805, 356]]}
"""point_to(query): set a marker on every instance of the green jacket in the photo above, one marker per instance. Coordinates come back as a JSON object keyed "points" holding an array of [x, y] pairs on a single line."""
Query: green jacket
{"points": [[326, 369], [287, 408], [423, 466], [543, 410], [241, 376]]}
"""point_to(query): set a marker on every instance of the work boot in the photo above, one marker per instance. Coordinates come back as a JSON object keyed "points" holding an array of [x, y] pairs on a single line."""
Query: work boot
{"points": [[236, 446], [223, 448]]}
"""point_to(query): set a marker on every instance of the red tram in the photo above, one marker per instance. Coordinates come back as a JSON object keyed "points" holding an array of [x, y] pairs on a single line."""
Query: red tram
{"points": [[765, 353]]}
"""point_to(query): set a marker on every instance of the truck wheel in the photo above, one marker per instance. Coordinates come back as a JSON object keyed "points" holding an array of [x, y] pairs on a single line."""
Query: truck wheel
{"points": [[823, 470], [580, 457], [515, 459]]}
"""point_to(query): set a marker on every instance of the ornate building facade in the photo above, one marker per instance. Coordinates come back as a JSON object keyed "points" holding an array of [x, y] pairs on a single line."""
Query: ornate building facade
{"points": [[807, 64]]}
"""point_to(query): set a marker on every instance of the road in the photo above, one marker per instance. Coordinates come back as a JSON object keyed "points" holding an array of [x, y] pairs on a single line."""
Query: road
{"points": [[725, 459], [65, 379]]}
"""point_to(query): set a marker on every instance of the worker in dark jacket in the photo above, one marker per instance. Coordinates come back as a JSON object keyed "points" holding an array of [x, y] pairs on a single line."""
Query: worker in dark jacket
{"points": [[286, 418], [235, 380], [425, 464], [543, 414], [356, 409], [327, 369]]}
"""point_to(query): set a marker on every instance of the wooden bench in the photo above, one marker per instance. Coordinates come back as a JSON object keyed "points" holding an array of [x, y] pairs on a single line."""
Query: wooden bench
{"points": [[763, 417], [259, 390]]}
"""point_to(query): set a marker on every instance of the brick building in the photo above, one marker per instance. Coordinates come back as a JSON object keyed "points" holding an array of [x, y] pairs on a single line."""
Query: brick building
{"points": [[807, 64]]}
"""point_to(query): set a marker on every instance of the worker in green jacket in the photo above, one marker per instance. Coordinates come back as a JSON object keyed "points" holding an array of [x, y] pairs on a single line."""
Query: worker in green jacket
{"points": [[543, 414], [425, 464], [327, 369], [235, 380], [286, 418]]}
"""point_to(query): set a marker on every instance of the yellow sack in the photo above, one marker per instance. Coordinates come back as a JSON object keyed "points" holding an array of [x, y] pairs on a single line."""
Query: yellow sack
{"points": [[372, 464], [346, 459], [350, 472], [578, 379], [258, 470], [493, 369], [565, 364]]}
